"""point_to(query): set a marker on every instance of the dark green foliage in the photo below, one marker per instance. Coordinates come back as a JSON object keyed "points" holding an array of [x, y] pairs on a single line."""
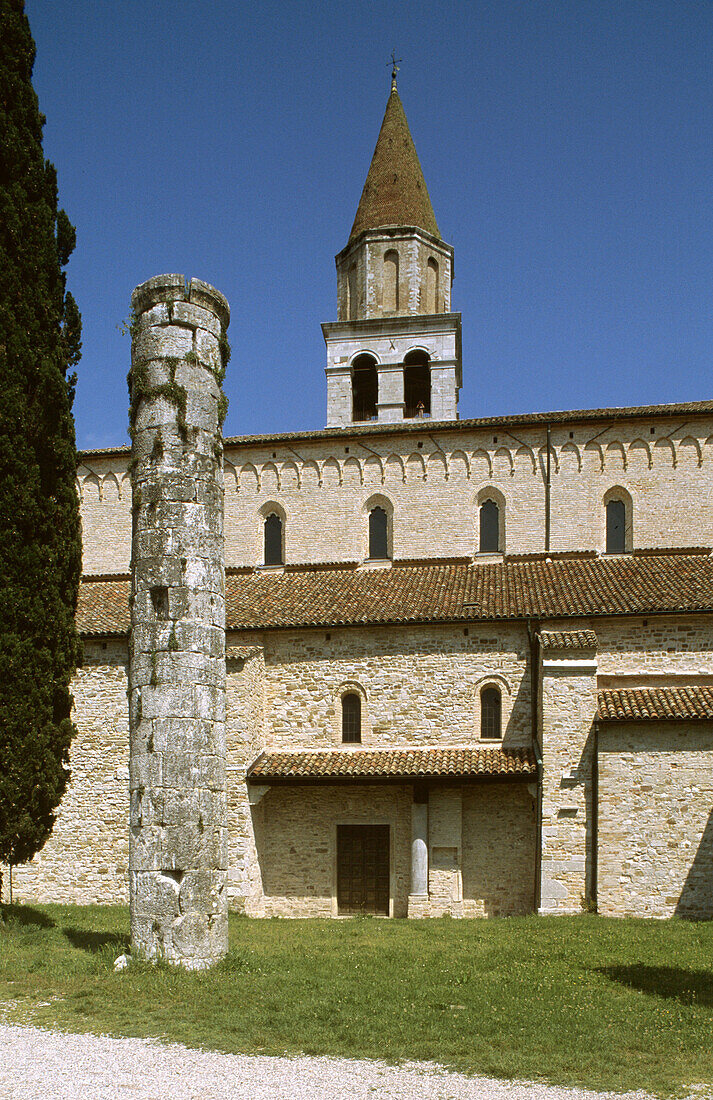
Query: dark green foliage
{"points": [[40, 542]]}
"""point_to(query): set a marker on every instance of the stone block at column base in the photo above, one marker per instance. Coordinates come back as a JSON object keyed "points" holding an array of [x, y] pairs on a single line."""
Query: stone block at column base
{"points": [[419, 906]]}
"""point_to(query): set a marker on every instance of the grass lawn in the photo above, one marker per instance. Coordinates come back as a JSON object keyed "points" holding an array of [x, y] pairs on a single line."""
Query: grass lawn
{"points": [[601, 1003]]}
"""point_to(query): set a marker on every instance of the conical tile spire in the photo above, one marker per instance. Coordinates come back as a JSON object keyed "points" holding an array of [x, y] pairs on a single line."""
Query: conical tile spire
{"points": [[395, 191]]}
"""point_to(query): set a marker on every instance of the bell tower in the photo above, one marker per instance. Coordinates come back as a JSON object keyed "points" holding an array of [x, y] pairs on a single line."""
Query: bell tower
{"points": [[394, 352]]}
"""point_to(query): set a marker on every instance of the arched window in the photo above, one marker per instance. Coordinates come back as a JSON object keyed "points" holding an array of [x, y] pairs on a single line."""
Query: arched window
{"points": [[432, 286], [351, 718], [273, 540], [489, 533], [391, 281], [352, 293], [365, 388], [378, 534], [616, 526], [491, 714], [417, 385]]}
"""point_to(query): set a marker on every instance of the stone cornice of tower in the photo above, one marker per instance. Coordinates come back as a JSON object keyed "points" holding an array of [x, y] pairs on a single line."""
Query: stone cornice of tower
{"points": [[395, 191], [385, 233]]}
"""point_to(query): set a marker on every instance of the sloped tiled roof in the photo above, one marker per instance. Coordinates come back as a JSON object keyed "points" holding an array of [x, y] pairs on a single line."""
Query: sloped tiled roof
{"points": [[568, 639], [564, 586], [656, 703], [395, 191], [103, 605], [340, 765]]}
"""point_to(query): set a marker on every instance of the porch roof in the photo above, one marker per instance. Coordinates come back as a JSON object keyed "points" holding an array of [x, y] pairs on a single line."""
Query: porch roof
{"points": [[387, 765], [694, 702]]}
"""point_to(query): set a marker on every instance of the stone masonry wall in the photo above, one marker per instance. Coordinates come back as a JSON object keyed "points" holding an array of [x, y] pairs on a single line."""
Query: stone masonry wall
{"points": [[499, 840], [433, 481], [662, 649], [420, 684], [245, 733], [85, 861], [656, 819]]}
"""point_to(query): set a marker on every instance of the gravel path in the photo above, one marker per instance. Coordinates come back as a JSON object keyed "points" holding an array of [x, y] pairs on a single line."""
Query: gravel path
{"points": [[46, 1065]]}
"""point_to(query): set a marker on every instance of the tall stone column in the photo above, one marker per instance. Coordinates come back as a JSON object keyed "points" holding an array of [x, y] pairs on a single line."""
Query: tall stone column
{"points": [[418, 894], [178, 841], [419, 848]]}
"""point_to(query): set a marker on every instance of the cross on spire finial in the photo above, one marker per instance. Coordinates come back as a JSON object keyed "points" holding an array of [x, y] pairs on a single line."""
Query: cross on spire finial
{"points": [[394, 69]]}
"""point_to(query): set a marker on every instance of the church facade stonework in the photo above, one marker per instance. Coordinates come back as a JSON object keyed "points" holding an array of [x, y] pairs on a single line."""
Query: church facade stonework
{"points": [[468, 663]]}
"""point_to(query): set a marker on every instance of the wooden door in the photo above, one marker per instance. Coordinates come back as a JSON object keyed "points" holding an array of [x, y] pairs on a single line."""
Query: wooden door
{"points": [[363, 869]]}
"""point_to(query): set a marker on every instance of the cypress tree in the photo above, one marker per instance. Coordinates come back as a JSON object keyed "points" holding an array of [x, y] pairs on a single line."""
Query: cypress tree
{"points": [[40, 540]]}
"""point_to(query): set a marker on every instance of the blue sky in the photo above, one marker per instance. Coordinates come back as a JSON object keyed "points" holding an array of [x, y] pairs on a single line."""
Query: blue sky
{"points": [[566, 144]]}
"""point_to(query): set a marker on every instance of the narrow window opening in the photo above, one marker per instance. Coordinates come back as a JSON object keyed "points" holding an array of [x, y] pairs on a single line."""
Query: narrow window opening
{"points": [[352, 293], [391, 282], [489, 540], [273, 540], [432, 286], [351, 718], [616, 527], [417, 385], [378, 534], [365, 388], [490, 714]]}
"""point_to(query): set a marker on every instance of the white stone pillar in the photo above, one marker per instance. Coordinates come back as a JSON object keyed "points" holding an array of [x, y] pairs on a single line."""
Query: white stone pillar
{"points": [[178, 838], [419, 849]]}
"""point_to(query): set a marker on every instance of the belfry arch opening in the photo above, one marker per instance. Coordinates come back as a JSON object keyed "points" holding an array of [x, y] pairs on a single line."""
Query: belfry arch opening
{"points": [[365, 388], [417, 385]]}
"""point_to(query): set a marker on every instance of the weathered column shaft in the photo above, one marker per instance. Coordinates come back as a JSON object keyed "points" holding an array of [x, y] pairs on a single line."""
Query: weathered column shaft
{"points": [[419, 848], [178, 843]]}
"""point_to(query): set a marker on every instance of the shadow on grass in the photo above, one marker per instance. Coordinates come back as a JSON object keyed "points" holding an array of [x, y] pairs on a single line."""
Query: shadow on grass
{"points": [[690, 987], [95, 941], [26, 915]]}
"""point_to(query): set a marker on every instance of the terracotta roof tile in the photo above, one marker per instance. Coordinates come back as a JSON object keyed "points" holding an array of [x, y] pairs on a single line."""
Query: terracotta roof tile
{"points": [[547, 588], [650, 704], [568, 639], [103, 605], [385, 764]]}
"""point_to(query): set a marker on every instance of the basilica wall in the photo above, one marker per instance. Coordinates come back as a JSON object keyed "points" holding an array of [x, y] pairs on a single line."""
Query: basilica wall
{"points": [[85, 861], [484, 868], [296, 838], [627, 808], [419, 685], [655, 821], [655, 779], [432, 484], [654, 650]]}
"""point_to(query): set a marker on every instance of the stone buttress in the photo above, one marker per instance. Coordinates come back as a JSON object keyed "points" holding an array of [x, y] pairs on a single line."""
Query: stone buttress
{"points": [[178, 843]]}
